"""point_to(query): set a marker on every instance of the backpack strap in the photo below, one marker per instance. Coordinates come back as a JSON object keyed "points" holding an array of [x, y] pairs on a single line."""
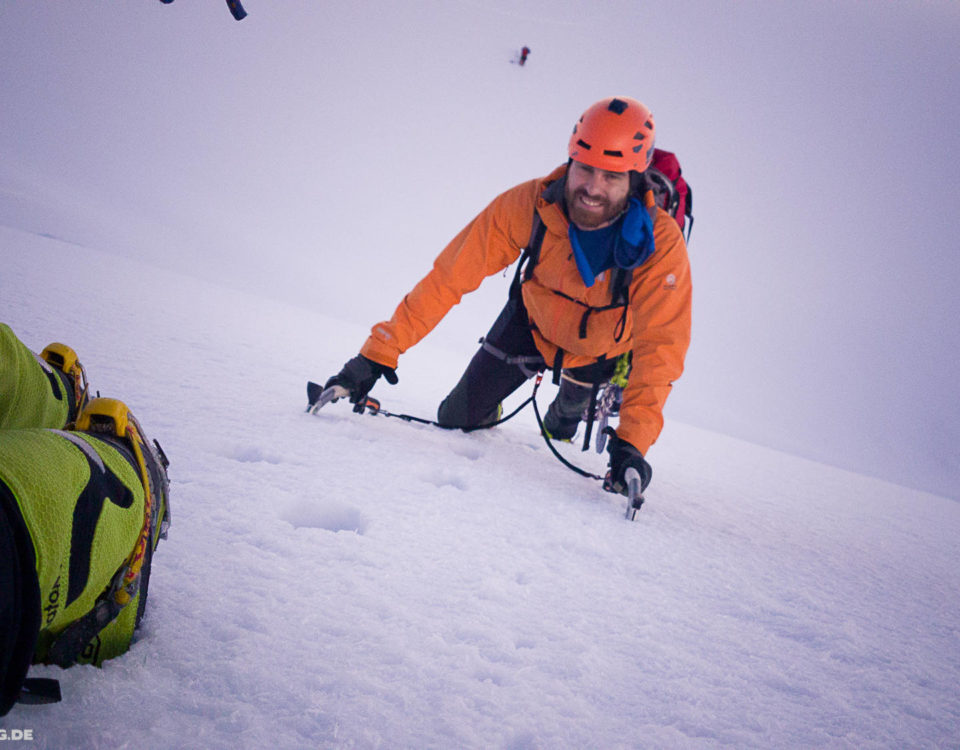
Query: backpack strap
{"points": [[620, 292], [537, 233], [528, 261], [619, 286], [530, 254]]}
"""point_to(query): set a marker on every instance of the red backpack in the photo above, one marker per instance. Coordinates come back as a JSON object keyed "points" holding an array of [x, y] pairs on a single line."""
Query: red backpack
{"points": [[672, 192]]}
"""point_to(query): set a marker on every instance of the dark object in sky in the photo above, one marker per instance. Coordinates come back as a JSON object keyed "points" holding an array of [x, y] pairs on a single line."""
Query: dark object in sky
{"points": [[236, 8], [523, 54]]}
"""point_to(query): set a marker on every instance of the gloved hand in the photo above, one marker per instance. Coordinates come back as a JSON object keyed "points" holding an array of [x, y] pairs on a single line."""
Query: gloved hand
{"points": [[358, 376], [622, 457]]}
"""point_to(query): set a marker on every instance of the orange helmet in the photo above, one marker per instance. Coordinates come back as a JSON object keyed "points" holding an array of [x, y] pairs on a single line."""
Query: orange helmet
{"points": [[615, 134]]}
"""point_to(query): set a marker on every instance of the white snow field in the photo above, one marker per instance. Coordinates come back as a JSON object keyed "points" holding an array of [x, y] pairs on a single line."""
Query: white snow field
{"points": [[354, 581]]}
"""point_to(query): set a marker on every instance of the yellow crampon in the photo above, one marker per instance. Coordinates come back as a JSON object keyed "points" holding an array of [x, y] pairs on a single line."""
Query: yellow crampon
{"points": [[65, 359]]}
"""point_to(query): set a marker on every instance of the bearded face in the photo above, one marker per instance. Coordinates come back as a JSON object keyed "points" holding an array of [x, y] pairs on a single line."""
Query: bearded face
{"points": [[595, 197]]}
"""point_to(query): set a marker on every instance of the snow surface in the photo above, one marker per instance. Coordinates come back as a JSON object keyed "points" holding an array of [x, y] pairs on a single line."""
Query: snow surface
{"points": [[347, 581]]}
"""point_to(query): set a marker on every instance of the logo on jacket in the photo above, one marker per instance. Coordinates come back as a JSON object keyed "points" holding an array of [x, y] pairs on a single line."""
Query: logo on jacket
{"points": [[670, 282]]}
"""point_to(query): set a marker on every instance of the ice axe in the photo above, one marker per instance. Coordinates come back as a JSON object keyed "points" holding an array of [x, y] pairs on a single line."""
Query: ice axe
{"points": [[236, 8], [318, 397], [634, 493]]}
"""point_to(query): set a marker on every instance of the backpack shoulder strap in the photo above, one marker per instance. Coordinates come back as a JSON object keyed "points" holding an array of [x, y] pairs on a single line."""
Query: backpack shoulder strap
{"points": [[532, 250], [620, 286], [530, 254]]}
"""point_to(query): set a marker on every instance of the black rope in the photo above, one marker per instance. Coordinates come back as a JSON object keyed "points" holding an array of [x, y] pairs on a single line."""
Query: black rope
{"points": [[375, 409], [467, 428], [546, 438]]}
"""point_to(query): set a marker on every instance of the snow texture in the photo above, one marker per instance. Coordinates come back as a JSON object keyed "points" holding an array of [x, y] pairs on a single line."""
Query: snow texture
{"points": [[351, 581]]}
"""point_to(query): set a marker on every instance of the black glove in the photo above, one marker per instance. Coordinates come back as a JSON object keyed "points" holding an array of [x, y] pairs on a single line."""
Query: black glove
{"points": [[622, 457], [358, 376]]}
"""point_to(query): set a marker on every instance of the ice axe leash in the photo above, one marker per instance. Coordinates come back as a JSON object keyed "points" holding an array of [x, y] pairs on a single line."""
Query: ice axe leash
{"points": [[546, 438], [318, 397]]}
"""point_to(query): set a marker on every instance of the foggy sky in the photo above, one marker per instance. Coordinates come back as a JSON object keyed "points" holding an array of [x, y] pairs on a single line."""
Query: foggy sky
{"points": [[324, 155]]}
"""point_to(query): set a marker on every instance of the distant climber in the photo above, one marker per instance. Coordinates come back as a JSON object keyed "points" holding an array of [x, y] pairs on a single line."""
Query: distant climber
{"points": [[524, 53]]}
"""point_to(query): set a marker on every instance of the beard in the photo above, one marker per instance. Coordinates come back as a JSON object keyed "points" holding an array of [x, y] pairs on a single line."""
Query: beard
{"points": [[592, 217]]}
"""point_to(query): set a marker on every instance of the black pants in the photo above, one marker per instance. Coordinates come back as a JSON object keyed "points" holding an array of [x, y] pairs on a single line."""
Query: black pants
{"points": [[489, 378], [19, 601]]}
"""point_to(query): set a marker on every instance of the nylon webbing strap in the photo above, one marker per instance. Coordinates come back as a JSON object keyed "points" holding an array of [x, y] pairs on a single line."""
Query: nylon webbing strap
{"points": [[520, 360], [537, 232], [591, 415], [71, 641], [530, 254]]}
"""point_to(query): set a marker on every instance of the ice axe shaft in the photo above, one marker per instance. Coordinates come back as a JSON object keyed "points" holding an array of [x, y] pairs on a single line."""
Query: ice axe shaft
{"points": [[634, 493], [236, 8]]}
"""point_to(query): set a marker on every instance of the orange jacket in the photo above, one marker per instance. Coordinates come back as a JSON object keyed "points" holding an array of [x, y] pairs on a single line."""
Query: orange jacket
{"points": [[658, 316]]}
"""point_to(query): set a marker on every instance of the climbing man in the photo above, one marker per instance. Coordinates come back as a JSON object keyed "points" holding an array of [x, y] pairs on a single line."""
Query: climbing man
{"points": [[603, 273]]}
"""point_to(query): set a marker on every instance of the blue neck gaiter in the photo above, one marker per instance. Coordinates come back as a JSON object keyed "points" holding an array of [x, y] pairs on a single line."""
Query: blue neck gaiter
{"points": [[627, 243]]}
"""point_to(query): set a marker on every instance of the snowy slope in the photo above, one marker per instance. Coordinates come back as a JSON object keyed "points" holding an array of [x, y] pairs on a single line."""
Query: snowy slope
{"points": [[325, 153], [349, 581]]}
